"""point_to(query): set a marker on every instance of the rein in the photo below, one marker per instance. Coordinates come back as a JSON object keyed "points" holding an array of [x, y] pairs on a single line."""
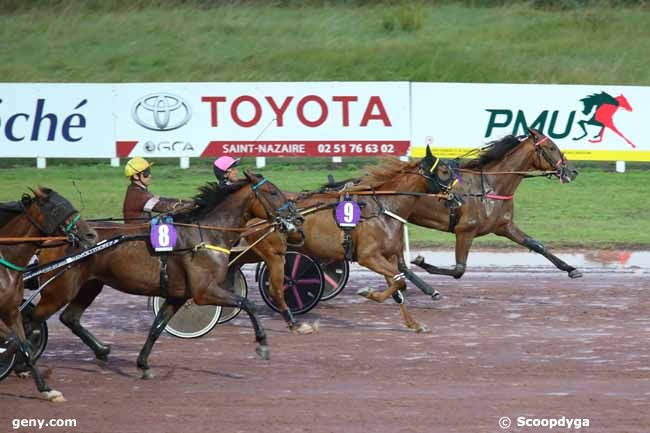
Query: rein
{"points": [[32, 239]]}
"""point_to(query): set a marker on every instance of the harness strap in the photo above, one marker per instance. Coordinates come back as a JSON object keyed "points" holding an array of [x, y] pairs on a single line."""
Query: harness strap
{"points": [[499, 197], [211, 247], [164, 277], [72, 223], [453, 219], [12, 266]]}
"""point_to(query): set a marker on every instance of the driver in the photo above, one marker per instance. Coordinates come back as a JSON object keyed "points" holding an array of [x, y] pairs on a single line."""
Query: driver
{"points": [[139, 202], [225, 170]]}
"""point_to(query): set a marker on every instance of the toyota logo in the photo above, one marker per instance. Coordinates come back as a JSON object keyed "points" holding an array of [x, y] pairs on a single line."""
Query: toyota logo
{"points": [[161, 112]]}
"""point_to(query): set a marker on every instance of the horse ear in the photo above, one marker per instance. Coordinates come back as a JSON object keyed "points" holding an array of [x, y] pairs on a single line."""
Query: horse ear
{"points": [[250, 176], [533, 132], [429, 154]]}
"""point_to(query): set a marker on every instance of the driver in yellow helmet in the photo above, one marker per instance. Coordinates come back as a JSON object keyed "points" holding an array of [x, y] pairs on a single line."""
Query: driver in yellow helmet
{"points": [[139, 202]]}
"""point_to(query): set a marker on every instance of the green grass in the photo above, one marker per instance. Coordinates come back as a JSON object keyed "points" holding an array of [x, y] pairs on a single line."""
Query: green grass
{"points": [[418, 42], [132, 41], [601, 209]]}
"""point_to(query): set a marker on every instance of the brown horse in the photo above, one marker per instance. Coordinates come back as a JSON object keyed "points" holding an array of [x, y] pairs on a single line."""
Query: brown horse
{"points": [[376, 243], [45, 214], [196, 271], [488, 186]]}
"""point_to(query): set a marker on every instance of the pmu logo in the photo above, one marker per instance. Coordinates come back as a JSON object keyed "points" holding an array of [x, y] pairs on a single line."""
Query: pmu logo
{"points": [[603, 115], [597, 116], [161, 112]]}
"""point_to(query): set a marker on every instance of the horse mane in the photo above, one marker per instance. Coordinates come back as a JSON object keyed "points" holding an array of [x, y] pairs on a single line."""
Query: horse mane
{"points": [[8, 211], [210, 196], [597, 99], [390, 168], [493, 151]]}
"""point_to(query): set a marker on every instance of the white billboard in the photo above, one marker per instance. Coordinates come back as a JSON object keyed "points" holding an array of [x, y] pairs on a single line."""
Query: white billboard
{"points": [[56, 120], [587, 122], [264, 119]]}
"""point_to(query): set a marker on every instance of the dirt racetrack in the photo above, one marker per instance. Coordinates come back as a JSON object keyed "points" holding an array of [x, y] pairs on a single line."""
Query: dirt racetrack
{"points": [[509, 343]]}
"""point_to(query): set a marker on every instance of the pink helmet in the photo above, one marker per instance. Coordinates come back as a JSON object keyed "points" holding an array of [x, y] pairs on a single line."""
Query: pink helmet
{"points": [[225, 163]]}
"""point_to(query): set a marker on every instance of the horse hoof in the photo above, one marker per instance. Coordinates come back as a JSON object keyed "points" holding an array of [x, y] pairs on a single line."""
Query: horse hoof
{"points": [[24, 374], [102, 354], [303, 329], [365, 292], [417, 261], [436, 296], [575, 274], [147, 374], [53, 396], [422, 330], [263, 352]]}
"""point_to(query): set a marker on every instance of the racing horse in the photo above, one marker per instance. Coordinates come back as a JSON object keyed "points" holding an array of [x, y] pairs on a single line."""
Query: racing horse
{"points": [[45, 214], [487, 186], [197, 268], [377, 241]]}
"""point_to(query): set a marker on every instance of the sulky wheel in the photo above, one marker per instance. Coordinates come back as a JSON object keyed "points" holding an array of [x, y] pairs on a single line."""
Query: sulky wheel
{"points": [[303, 283], [335, 273], [6, 362], [236, 283], [36, 332], [191, 320]]}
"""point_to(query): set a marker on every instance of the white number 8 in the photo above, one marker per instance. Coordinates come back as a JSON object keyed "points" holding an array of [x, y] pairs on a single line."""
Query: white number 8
{"points": [[163, 235], [348, 212]]}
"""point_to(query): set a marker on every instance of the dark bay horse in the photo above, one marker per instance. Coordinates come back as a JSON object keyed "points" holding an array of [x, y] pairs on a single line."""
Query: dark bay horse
{"points": [[196, 273], [377, 242], [45, 214], [488, 186]]}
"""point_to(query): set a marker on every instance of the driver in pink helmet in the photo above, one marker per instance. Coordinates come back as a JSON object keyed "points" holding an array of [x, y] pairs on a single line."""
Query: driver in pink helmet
{"points": [[225, 170]]}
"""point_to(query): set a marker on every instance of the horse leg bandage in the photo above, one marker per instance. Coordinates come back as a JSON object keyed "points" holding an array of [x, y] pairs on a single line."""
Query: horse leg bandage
{"points": [[534, 245], [415, 279]]}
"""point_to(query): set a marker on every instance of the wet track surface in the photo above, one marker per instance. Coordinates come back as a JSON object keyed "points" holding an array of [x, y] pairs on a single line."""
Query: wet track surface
{"points": [[517, 341]]}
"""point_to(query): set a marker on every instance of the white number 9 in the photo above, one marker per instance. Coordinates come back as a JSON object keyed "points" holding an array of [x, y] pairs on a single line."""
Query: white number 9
{"points": [[348, 212]]}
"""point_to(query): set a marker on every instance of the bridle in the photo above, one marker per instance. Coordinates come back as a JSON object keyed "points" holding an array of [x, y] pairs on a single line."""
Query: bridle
{"points": [[559, 165], [287, 222], [58, 215]]}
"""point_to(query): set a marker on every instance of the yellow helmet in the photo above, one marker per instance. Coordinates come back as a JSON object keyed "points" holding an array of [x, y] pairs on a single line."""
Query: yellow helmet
{"points": [[136, 165]]}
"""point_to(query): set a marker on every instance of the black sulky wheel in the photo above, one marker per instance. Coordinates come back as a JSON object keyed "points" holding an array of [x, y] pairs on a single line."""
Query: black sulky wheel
{"points": [[335, 273], [303, 283], [236, 283], [6, 362], [36, 332]]}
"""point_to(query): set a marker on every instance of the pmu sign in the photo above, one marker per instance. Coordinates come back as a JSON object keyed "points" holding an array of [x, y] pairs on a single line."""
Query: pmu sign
{"points": [[263, 119], [587, 122], [55, 120]]}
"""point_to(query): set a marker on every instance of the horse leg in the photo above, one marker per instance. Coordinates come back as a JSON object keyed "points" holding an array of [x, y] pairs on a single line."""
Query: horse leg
{"points": [[167, 311], [18, 345], [620, 134], [71, 317], [581, 123], [463, 245], [515, 234], [598, 137], [395, 281], [275, 264], [222, 297]]}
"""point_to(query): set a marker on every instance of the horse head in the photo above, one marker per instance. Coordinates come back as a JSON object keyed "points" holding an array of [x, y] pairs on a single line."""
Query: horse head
{"points": [[623, 103], [52, 214], [550, 157], [275, 204]]}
